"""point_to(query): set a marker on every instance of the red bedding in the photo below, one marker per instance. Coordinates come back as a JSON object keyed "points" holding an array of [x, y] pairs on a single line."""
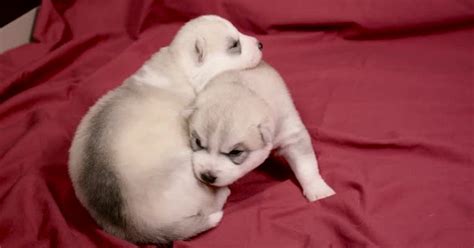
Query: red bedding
{"points": [[384, 87]]}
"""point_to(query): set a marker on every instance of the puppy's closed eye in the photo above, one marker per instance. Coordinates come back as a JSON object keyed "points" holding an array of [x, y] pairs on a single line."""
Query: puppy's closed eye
{"points": [[235, 153], [237, 156], [235, 47], [196, 144]]}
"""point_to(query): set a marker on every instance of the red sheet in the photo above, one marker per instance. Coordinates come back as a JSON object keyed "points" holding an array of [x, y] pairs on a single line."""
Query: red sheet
{"points": [[384, 87]]}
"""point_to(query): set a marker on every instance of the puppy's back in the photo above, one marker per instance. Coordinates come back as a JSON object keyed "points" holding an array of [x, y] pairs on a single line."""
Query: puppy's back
{"points": [[102, 152]]}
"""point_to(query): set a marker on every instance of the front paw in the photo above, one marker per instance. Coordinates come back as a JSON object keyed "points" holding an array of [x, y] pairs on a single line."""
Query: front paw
{"points": [[318, 190], [223, 193], [215, 218]]}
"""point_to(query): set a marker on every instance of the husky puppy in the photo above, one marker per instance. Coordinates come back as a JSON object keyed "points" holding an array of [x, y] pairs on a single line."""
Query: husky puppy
{"points": [[238, 118], [130, 160]]}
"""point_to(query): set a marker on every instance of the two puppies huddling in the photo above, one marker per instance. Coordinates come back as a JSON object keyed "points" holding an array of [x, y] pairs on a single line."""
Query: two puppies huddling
{"points": [[152, 159]]}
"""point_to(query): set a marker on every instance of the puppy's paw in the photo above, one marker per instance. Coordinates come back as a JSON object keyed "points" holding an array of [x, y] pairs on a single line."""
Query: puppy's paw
{"points": [[225, 192], [318, 190], [221, 197], [215, 218]]}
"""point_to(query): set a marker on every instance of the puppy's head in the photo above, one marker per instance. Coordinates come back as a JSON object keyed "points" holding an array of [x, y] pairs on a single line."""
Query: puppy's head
{"points": [[209, 45], [231, 132]]}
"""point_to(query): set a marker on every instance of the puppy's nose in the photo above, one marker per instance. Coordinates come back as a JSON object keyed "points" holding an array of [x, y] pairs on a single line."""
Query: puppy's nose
{"points": [[208, 177], [260, 45]]}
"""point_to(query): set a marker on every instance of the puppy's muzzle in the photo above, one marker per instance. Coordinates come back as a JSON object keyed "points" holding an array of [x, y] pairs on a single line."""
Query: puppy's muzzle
{"points": [[208, 177]]}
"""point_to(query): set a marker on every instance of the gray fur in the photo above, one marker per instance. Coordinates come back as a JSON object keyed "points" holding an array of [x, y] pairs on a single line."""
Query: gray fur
{"points": [[98, 180], [101, 183]]}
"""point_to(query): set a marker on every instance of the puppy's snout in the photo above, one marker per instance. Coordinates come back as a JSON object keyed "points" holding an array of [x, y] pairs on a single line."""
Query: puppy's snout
{"points": [[260, 45], [208, 177]]}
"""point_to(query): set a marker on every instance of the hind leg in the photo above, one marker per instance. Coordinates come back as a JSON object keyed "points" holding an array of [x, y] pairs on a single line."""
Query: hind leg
{"points": [[296, 147], [299, 154]]}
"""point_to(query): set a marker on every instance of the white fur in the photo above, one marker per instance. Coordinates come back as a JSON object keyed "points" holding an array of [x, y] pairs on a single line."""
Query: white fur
{"points": [[146, 75], [253, 108], [144, 141], [216, 61]]}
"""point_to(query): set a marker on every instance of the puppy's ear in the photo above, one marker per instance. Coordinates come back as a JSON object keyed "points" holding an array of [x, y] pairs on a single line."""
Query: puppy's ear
{"points": [[266, 129], [199, 49]]}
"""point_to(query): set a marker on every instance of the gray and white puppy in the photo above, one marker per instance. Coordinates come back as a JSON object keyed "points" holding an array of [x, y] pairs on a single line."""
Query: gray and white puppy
{"points": [[238, 118], [130, 160]]}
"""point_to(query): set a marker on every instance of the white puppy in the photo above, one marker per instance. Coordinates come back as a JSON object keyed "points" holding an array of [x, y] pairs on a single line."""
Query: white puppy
{"points": [[239, 118], [130, 160]]}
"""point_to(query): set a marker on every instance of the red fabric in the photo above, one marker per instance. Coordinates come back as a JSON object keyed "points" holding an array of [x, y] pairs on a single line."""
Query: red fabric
{"points": [[384, 87]]}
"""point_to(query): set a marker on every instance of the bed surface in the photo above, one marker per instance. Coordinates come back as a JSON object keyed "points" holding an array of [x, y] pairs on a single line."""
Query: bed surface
{"points": [[385, 89]]}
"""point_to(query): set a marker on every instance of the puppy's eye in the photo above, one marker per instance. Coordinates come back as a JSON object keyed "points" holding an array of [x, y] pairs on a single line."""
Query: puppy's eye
{"points": [[196, 144], [235, 44], [235, 153], [237, 156], [234, 47]]}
